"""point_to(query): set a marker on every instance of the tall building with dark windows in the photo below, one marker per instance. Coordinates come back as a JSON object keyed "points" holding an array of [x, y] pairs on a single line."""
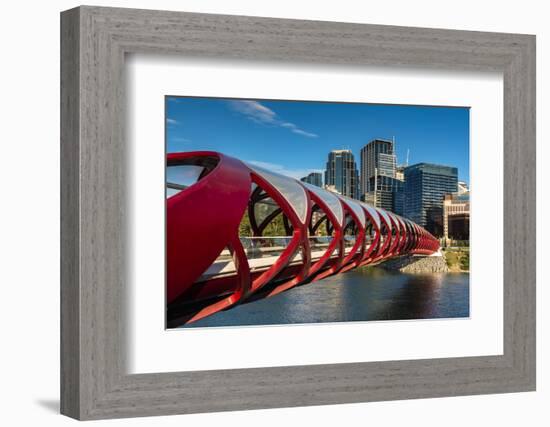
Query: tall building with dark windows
{"points": [[314, 178], [379, 183], [386, 193], [398, 196], [377, 158], [456, 215], [341, 174], [425, 188]]}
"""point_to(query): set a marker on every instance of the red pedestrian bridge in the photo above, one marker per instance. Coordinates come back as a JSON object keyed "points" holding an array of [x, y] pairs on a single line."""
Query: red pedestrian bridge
{"points": [[236, 232]]}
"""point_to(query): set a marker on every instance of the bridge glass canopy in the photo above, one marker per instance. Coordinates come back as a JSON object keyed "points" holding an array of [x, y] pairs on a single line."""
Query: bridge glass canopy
{"points": [[356, 208], [289, 188], [386, 218], [295, 193], [373, 213], [329, 199]]}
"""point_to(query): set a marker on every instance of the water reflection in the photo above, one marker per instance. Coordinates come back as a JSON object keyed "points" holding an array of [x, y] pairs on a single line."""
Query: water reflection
{"points": [[358, 295]]}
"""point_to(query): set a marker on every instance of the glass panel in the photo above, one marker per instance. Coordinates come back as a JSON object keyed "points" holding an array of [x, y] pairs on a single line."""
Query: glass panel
{"points": [[180, 177], [386, 218], [264, 247], [395, 222], [349, 240], [356, 208], [183, 174], [401, 223], [373, 213], [171, 192], [350, 232], [330, 200], [319, 243], [319, 220], [263, 209], [263, 251], [289, 188]]}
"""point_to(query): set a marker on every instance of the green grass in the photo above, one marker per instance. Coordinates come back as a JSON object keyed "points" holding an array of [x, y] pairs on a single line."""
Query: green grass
{"points": [[458, 259]]}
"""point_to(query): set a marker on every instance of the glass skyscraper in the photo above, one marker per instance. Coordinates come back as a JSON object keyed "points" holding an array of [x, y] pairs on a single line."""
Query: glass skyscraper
{"points": [[341, 174], [425, 188], [378, 176], [314, 178], [377, 158]]}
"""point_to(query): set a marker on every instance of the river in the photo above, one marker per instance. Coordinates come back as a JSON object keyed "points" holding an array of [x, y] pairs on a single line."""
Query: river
{"points": [[358, 295]]}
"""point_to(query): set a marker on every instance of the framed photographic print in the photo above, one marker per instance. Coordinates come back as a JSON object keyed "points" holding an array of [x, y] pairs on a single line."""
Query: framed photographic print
{"points": [[306, 210], [282, 213]]}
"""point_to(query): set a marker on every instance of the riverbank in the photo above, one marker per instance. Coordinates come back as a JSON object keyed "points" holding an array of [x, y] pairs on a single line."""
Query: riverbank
{"points": [[414, 264], [457, 259]]}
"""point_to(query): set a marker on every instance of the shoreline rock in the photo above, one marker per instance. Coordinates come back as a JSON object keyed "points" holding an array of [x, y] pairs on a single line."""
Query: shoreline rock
{"points": [[415, 264]]}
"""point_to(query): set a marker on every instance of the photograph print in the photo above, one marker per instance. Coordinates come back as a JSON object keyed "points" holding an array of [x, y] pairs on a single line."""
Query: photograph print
{"points": [[286, 212]]}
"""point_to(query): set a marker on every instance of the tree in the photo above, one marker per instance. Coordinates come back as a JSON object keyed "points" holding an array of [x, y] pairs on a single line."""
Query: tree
{"points": [[275, 228], [465, 261], [245, 229]]}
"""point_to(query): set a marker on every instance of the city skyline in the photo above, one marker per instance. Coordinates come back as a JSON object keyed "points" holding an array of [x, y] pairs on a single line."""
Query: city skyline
{"points": [[308, 131]]}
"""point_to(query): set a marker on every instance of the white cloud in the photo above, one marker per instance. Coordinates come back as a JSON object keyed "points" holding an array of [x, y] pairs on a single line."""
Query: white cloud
{"points": [[255, 111], [261, 114], [172, 121], [304, 133], [283, 170]]}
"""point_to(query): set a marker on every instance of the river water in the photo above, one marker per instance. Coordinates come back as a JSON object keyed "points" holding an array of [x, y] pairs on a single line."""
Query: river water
{"points": [[358, 295]]}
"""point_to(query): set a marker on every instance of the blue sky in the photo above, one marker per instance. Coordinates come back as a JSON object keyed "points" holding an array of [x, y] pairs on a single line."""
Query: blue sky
{"points": [[295, 137]]}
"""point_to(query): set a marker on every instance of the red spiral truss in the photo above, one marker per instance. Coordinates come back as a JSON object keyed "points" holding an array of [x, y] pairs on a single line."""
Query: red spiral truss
{"points": [[209, 266]]}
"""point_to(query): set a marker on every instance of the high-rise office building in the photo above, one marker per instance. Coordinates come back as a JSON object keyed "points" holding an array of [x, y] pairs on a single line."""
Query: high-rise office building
{"points": [[398, 196], [456, 215], [378, 175], [386, 193], [400, 172], [425, 188], [314, 178], [341, 174], [399, 190], [377, 158]]}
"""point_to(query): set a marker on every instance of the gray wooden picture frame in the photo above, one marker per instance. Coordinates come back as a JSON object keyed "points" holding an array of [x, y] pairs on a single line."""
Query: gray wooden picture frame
{"points": [[94, 41]]}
